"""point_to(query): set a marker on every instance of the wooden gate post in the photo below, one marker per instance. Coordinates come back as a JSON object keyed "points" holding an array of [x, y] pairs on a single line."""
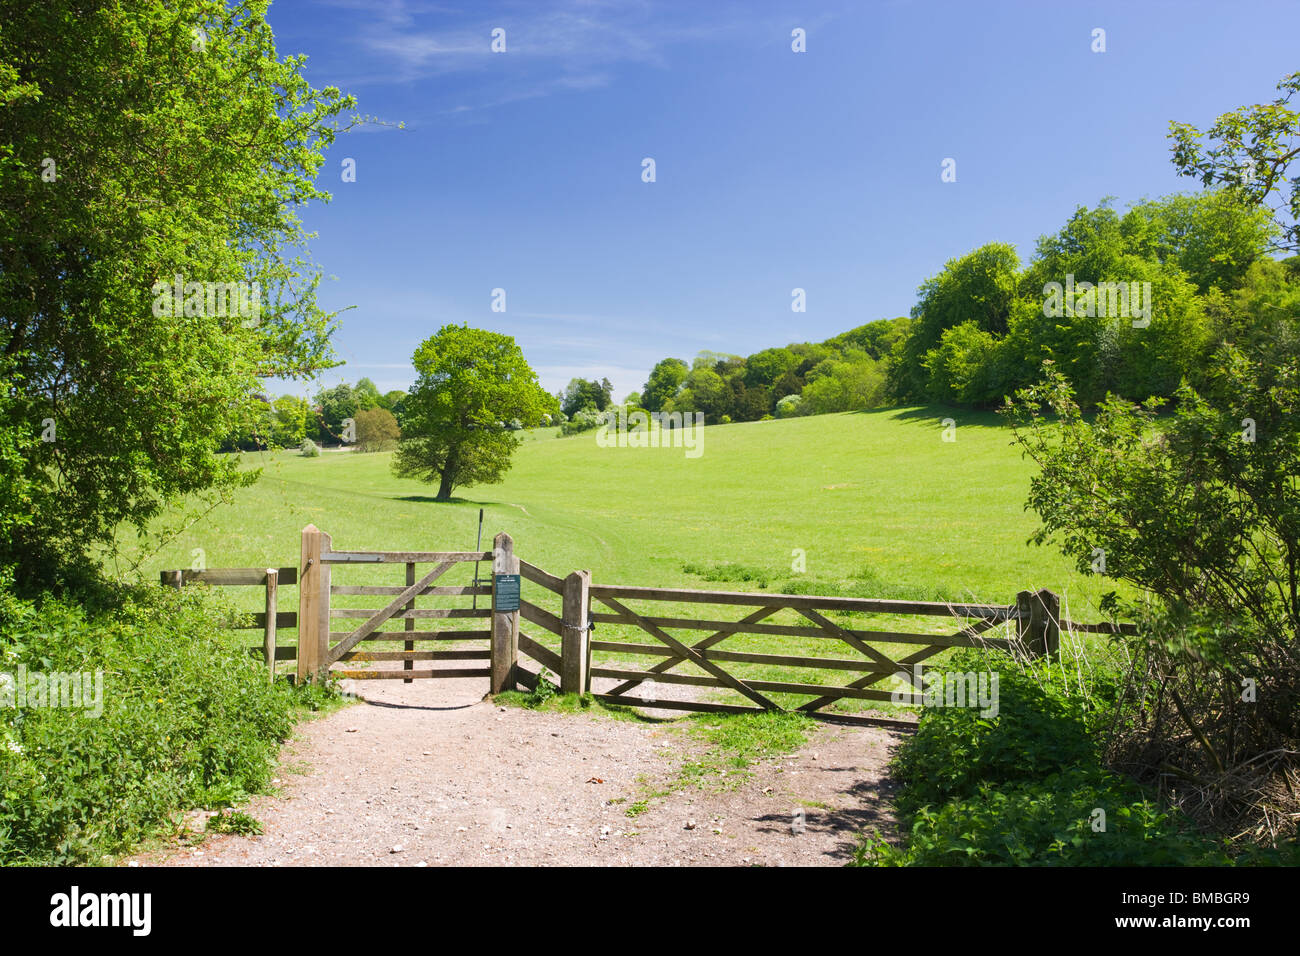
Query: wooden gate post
{"points": [[313, 604], [574, 643], [268, 632], [1024, 615], [505, 624], [1049, 605], [1039, 622], [409, 623]]}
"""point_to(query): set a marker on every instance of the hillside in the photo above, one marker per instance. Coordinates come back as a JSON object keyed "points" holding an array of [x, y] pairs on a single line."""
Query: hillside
{"points": [[880, 504]]}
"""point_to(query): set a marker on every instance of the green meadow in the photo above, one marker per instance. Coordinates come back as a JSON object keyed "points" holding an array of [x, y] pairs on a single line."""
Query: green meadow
{"points": [[878, 503]]}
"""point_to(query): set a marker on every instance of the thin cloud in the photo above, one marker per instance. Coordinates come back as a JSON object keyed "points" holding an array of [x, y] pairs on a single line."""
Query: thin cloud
{"points": [[573, 48]]}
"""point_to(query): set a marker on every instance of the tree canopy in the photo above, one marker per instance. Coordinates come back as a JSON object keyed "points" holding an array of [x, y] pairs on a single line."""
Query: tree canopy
{"points": [[471, 382], [142, 145]]}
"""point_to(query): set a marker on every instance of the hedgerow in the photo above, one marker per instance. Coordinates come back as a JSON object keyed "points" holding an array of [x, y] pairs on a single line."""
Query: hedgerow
{"points": [[188, 720]]}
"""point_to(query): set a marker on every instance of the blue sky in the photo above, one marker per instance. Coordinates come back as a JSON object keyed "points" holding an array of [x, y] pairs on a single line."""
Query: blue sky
{"points": [[819, 170]]}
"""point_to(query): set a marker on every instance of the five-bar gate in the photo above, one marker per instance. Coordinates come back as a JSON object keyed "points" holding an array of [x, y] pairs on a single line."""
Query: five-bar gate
{"points": [[321, 647]]}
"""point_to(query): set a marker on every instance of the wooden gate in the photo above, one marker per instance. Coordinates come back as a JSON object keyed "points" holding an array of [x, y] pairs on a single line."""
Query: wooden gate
{"points": [[879, 655], [321, 649]]}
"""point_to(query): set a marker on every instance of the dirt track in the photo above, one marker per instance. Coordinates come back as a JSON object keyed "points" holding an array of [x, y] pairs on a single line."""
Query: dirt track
{"points": [[430, 774]]}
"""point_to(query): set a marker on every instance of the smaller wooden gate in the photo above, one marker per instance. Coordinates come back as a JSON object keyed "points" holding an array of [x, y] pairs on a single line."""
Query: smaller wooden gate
{"points": [[320, 648]]}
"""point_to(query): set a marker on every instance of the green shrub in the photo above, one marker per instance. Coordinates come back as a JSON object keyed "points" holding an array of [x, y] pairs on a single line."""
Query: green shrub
{"points": [[376, 430], [583, 420], [1039, 730], [1054, 821], [188, 720], [788, 407], [309, 449], [1027, 786], [234, 821]]}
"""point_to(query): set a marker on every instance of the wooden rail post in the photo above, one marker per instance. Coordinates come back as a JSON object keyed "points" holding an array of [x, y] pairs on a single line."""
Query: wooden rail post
{"points": [[575, 642], [268, 633], [1049, 605], [313, 604], [505, 624], [409, 623], [1039, 622], [1024, 615], [173, 579]]}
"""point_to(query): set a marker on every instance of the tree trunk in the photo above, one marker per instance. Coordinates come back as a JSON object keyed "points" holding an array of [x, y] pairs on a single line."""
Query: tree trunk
{"points": [[445, 485]]}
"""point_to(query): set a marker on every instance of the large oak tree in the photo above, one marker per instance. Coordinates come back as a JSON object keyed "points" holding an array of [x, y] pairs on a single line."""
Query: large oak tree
{"points": [[471, 383]]}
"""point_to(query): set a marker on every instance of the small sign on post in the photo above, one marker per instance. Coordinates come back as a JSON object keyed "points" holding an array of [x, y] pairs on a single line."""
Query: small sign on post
{"points": [[505, 615], [505, 592]]}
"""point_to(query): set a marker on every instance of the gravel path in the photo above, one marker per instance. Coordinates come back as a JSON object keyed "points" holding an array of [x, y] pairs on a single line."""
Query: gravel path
{"points": [[429, 774]]}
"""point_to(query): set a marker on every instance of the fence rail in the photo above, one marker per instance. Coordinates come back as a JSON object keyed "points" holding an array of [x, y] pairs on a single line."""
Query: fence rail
{"points": [[268, 621]]}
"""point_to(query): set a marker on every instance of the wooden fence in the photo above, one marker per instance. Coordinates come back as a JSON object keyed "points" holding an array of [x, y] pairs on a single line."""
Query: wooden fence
{"points": [[562, 636], [269, 620]]}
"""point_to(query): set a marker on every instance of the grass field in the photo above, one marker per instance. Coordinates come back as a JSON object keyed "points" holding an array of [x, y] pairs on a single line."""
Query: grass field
{"points": [[878, 502]]}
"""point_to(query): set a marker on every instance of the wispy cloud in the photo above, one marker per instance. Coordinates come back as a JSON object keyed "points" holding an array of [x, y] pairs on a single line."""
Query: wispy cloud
{"points": [[573, 46]]}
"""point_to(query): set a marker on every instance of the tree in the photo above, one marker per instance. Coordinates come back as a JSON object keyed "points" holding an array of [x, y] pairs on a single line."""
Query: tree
{"points": [[1256, 313], [964, 368], [979, 287], [1253, 148], [582, 393], [845, 384], [129, 156], [469, 380], [877, 338], [665, 379], [749, 404], [709, 394], [1211, 236], [394, 401], [290, 426], [762, 369], [367, 394], [336, 405], [376, 429]]}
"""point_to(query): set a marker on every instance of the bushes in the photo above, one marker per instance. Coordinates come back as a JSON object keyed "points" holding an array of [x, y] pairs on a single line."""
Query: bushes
{"points": [[188, 720], [1039, 731], [966, 368], [846, 384], [1048, 822], [583, 420], [1026, 787], [788, 407], [309, 449], [1201, 512]]}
